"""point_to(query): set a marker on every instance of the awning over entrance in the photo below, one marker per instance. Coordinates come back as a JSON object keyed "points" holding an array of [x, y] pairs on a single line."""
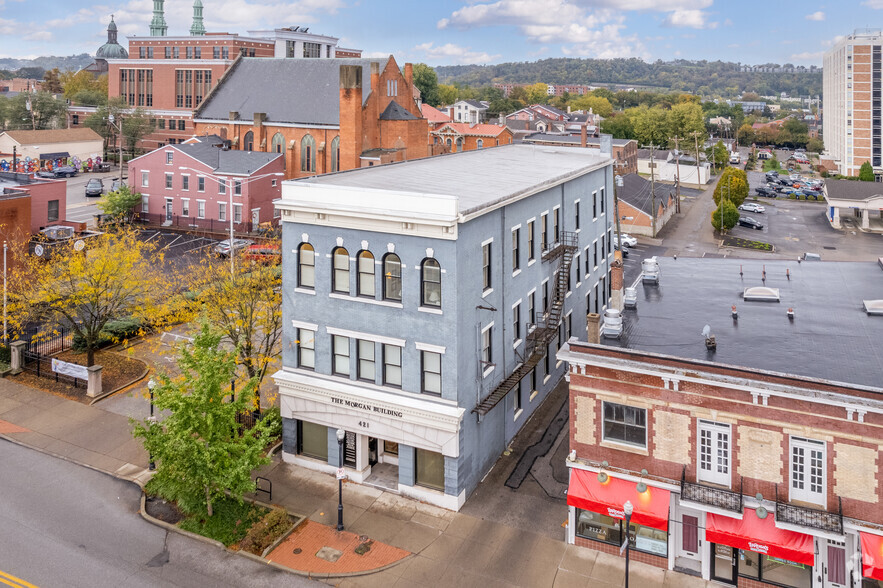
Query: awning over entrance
{"points": [[587, 493], [54, 156], [759, 535], [872, 556]]}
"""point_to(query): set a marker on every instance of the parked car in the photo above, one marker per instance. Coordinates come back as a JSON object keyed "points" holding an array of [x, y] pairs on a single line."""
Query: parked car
{"points": [[45, 174], [65, 172], [625, 248], [116, 184], [223, 248], [94, 187], [812, 192], [627, 239], [751, 207], [812, 257], [765, 191], [747, 221], [770, 175], [265, 253]]}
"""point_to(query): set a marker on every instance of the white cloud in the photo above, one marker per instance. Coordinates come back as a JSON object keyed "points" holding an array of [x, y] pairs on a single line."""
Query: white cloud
{"points": [[875, 4], [818, 15], [450, 53], [607, 43], [807, 56], [38, 36], [693, 19]]}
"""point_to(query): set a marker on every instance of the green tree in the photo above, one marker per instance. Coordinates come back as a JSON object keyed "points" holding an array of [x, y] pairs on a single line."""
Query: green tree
{"points": [[447, 94], [119, 204], [200, 450], [98, 121], [815, 145], [40, 110], [733, 186], [537, 93], [866, 172], [730, 214], [51, 82], [135, 126], [745, 135], [74, 82], [684, 119], [598, 105], [718, 155], [426, 81], [650, 125]]}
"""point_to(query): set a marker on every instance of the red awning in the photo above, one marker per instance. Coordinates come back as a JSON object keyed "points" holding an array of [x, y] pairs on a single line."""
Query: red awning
{"points": [[872, 556], [760, 536], [587, 493]]}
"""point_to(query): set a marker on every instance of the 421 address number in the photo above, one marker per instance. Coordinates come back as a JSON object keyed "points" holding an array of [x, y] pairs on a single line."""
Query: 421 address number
{"points": [[365, 424]]}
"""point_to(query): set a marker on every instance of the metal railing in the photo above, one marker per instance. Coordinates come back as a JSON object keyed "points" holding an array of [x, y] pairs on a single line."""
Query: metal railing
{"points": [[191, 223], [810, 518], [711, 495]]}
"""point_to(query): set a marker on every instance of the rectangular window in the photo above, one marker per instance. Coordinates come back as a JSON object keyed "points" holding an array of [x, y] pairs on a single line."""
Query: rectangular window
{"points": [[145, 177], [168, 53], [141, 52], [774, 570], [170, 157], [312, 440], [487, 350], [312, 50], [530, 243], [200, 184], [52, 210], [185, 206], [169, 180], [516, 255], [200, 209], [606, 529], [225, 52], [237, 213], [237, 187], [185, 182], [429, 469], [222, 211], [189, 52], [306, 349], [486, 266], [365, 354], [603, 204], [341, 355], [181, 125], [161, 124], [808, 470], [289, 48], [556, 224], [576, 214], [594, 205], [392, 365], [531, 307], [603, 247], [216, 52], [714, 453], [544, 232], [197, 52], [516, 322], [222, 186], [595, 253], [516, 399], [625, 424], [177, 52], [431, 372], [144, 204]]}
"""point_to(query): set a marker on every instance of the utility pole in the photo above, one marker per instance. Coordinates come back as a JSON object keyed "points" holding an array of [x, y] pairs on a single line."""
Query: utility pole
{"points": [[698, 176], [652, 191], [678, 172], [617, 180]]}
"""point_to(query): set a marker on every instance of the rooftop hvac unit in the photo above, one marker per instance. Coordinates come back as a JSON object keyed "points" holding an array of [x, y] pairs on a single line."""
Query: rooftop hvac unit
{"points": [[650, 270], [611, 328], [630, 300], [761, 294], [873, 306]]}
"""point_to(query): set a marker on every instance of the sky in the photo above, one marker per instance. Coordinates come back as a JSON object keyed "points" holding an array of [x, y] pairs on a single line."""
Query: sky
{"points": [[449, 32]]}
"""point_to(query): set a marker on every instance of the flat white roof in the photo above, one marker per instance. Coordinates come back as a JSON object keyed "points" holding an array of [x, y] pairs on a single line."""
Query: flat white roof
{"points": [[478, 179]]}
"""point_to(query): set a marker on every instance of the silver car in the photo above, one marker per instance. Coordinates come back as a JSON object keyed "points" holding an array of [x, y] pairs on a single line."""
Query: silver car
{"points": [[223, 248]]}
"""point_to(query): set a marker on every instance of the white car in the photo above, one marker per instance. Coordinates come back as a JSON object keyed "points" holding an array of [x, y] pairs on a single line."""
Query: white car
{"points": [[752, 207], [627, 239]]}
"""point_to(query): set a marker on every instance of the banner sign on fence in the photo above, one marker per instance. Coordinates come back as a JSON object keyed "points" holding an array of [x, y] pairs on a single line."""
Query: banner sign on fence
{"points": [[70, 369]]}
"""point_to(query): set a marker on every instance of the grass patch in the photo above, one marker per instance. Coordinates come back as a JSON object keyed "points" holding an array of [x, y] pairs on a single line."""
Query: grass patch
{"points": [[771, 164], [729, 241], [230, 522]]}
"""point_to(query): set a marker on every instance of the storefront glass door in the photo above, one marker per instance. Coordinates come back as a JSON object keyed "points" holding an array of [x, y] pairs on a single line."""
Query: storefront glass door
{"points": [[835, 566], [723, 563]]}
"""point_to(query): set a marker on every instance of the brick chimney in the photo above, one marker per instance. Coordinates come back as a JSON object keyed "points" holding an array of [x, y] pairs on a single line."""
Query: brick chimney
{"points": [[593, 327], [583, 131], [616, 291], [375, 76], [409, 74], [351, 115]]}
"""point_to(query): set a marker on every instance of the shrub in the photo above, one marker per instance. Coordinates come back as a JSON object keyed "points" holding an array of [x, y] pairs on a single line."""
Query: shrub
{"points": [[264, 532], [113, 332]]}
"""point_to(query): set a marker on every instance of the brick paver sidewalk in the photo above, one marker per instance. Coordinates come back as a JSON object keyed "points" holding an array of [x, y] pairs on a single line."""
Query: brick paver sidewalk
{"points": [[322, 550]]}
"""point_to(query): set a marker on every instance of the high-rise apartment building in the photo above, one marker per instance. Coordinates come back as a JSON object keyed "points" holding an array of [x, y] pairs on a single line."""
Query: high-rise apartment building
{"points": [[852, 108]]}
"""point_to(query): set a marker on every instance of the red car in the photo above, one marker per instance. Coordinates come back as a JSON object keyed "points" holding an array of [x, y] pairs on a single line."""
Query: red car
{"points": [[266, 253]]}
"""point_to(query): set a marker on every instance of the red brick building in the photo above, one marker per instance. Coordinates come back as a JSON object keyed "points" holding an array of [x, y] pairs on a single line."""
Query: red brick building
{"points": [[750, 476], [44, 199], [456, 137]]}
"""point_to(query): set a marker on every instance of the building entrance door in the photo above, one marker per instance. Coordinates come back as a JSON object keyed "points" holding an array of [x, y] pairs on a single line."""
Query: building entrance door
{"points": [[688, 542], [835, 564], [169, 204], [372, 451], [723, 563]]}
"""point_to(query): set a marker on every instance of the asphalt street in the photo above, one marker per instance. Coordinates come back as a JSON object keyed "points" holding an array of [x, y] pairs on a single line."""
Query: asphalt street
{"points": [[62, 525], [79, 207]]}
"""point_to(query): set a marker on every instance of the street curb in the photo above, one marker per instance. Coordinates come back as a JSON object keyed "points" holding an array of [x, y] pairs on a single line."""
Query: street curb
{"points": [[104, 395]]}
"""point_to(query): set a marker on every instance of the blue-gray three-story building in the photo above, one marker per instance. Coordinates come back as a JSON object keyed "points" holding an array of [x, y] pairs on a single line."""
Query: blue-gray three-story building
{"points": [[424, 303]]}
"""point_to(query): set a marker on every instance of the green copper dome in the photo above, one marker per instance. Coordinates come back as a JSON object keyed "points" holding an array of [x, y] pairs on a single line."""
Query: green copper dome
{"points": [[111, 49]]}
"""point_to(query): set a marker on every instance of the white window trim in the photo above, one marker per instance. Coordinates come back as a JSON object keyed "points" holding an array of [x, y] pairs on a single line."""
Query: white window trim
{"points": [[440, 349], [198, 215], [713, 425], [617, 442], [522, 327], [170, 175], [365, 300], [518, 414], [366, 336], [429, 310], [490, 368], [203, 184], [183, 189], [309, 291], [304, 325], [807, 496], [145, 178]]}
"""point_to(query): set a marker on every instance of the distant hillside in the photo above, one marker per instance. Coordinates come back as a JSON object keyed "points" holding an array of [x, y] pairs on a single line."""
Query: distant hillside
{"points": [[72, 62], [708, 78]]}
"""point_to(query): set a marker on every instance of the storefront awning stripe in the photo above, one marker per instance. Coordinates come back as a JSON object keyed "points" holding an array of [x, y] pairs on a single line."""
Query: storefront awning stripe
{"points": [[872, 556], [761, 536], [587, 493]]}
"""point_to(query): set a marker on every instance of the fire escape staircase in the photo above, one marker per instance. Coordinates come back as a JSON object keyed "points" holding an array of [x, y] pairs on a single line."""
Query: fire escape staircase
{"points": [[539, 334]]}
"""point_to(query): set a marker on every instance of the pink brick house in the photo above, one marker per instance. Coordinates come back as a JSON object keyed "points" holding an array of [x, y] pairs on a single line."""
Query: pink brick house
{"points": [[189, 184]]}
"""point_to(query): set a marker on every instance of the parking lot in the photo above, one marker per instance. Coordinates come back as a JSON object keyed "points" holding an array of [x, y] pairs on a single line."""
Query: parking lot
{"points": [[181, 250]]}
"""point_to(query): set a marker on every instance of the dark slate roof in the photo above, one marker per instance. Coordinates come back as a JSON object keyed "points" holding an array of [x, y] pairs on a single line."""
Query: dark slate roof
{"points": [[286, 90], [394, 111], [475, 104], [573, 138], [636, 191], [664, 154], [852, 190], [230, 161], [831, 337]]}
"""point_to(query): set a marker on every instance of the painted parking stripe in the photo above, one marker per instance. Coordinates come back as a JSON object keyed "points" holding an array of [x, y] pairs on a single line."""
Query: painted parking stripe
{"points": [[11, 580]]}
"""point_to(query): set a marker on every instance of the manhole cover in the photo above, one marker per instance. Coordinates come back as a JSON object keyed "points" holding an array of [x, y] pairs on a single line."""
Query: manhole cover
{"points": [[329, 554], [297, 551]]}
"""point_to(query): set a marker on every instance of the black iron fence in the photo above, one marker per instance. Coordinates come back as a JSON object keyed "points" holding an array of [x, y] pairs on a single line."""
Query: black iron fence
{"points": [[209, 225], [40, 347], [41, 366]]}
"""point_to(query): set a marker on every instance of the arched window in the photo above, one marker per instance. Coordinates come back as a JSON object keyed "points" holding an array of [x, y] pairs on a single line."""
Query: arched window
{"points": [[365, 281], [392, 277], [335, 154], [430, 275], [306, 261], [448, 143], [459, 144], [480, 143], [340, 277], [278, 143], [308, 154], [248, 142]]}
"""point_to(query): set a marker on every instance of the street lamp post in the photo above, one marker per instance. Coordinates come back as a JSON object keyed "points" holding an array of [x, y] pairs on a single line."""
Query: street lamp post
{"points": [[5, 336], [151, 384], [119, 129], [341, 434], [628, 509]]}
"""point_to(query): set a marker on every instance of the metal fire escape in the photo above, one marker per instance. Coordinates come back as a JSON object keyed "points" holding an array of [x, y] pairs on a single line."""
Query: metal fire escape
{"points": [[539, 334]]}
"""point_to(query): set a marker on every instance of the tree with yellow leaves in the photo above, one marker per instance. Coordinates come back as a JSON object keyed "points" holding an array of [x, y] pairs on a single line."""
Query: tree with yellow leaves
{"points": [[84, 284]]}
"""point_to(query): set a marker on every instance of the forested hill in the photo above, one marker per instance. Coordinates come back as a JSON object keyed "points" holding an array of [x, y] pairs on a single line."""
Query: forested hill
{"points": [[708, 78]]}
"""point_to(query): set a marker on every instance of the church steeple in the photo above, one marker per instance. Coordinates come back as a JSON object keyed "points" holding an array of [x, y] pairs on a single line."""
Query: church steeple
{"points": [[197, 29], [112, 32], [158, 26]]}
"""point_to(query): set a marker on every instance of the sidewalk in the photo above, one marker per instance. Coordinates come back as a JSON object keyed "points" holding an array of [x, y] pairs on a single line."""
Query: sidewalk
{"points": [[448, 549]]}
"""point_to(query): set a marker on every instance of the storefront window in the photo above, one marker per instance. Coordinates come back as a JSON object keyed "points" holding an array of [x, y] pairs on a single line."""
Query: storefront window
{"points": [[312, 440], [430, 469], [774, 570], [598, 527]]}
